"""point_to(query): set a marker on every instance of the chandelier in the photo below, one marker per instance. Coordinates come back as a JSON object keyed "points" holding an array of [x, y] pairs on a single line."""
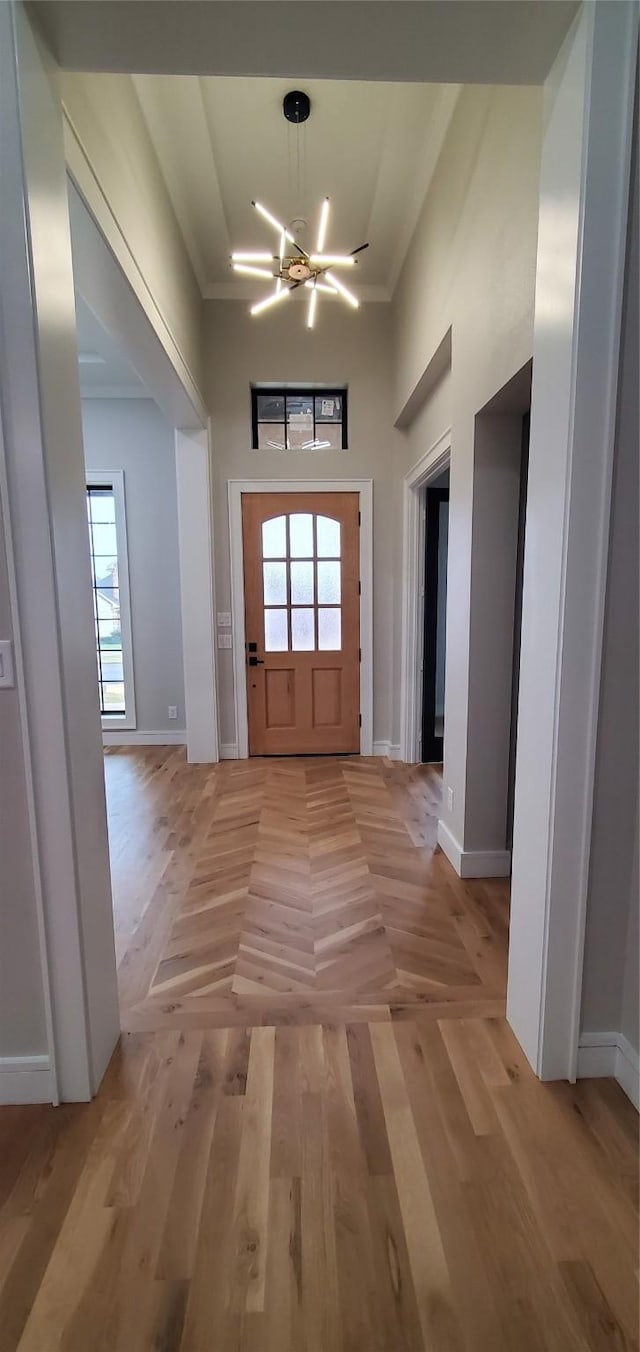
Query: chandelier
{"points": [[290, 266]]}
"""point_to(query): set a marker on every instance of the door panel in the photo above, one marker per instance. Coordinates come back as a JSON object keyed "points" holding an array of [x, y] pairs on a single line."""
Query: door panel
{"points": [[302, 613]]}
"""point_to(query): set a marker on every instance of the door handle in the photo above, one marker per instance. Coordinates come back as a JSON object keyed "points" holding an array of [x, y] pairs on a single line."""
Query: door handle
{"points": [[255, 661]]}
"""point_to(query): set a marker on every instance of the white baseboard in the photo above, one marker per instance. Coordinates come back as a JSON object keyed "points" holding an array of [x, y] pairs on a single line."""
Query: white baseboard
{"points": [[229, 751], [610, 1054], [25, 1079], [133, 737], [473, 863], [389, 749]]}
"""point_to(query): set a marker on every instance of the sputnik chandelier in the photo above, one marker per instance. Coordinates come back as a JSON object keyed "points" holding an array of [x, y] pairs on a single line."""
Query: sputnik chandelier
{"points": [[291, 266]]}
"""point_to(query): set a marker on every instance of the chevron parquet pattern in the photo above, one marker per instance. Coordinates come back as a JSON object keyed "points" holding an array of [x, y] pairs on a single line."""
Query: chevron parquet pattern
{"points": [[304, 889]]}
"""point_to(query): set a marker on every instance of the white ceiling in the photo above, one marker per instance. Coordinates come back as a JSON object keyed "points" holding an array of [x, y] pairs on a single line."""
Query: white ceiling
{"points": [[104, 372], [223, 141]]}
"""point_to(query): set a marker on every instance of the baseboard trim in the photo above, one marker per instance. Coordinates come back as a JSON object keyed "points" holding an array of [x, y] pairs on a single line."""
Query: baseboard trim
{"points": [[610, 1055], [473, 863], [229, 751], [25, 1079], [391, 750], [133, 737]]}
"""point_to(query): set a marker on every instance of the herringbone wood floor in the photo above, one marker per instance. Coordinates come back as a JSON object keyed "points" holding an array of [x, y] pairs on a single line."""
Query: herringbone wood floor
{"points": [[386, 1175], [295, 890]]}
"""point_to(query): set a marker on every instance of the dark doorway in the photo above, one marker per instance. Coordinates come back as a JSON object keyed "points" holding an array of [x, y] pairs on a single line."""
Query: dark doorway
{"points": [[435, 616], [517, 622]]}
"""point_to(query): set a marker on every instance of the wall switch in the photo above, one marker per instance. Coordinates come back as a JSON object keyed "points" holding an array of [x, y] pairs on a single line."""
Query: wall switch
{"points": [[7, 674], [224, 640], [224, 619], [173, 711], [449, 799]]}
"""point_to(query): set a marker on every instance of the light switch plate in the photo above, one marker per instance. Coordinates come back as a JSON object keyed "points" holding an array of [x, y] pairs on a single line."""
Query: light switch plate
{"points": [[224, 640], [7, 674], [224, 619]]}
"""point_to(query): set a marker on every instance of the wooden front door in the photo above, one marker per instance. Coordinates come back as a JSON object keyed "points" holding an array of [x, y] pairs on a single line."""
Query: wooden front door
{"points": [[302, 622]]}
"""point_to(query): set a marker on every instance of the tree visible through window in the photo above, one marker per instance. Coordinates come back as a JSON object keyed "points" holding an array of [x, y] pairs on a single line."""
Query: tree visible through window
{"points": [[103, 540]]}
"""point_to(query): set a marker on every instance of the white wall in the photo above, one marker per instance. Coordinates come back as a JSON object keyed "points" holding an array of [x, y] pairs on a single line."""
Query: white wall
{"points": [[346, 347], [112, 161], [470, 268], [132, 435]]}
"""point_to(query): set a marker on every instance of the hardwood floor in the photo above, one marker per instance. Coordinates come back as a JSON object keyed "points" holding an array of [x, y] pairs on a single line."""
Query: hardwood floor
{"points": [[353, 1157], [286, 890]]}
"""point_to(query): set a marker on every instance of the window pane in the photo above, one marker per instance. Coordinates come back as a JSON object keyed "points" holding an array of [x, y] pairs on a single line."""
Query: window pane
{"points": [[329, 637], [104, 539], [276, 639], [328, 583], [113, 697], [109, 633], [301, 535], [102, 507], [275, 584], [302, 631], [274, 538], [270, 408], [271, 437], [104, 571], [328, 408], [328, 537], [301, 584], [328, 437], [300, 437], [111, 665]]}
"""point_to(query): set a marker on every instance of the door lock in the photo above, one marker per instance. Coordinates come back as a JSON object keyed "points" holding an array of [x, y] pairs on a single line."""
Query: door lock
{"points": [[255, 661]]}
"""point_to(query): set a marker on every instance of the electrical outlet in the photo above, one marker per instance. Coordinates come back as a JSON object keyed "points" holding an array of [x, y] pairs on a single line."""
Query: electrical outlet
{"points": [[224, 619], [449, 799], [173, 711], [224, 640]]}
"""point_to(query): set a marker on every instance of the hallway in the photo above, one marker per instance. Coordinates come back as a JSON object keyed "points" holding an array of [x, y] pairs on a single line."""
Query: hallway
{"points": [[317, 1133]]}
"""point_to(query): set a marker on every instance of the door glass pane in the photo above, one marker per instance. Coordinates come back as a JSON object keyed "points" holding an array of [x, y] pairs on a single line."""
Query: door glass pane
{"points": [[301, 584], [301, 535], [113, 697], [275, 584], [276, 639], [328, 583], [329, 637], [274, 538], [302, 635], [328, 537]]}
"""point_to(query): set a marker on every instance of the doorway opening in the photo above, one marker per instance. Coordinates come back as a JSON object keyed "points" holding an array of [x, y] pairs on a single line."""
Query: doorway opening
{"points": [[436, 499]]}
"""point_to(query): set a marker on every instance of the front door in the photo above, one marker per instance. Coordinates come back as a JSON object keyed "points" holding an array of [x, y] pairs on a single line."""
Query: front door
{"points": [[302, 622]]}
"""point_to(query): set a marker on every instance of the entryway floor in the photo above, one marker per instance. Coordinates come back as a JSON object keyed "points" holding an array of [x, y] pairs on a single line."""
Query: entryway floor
{"points": [[318, 1133], [294, 890]]}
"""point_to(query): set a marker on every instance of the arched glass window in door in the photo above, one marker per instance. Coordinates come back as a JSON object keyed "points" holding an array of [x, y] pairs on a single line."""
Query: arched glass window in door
{"points": [[301, 578]]}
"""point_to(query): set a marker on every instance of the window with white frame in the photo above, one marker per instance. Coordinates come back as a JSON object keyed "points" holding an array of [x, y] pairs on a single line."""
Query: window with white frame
{"points": [[111, 608]]}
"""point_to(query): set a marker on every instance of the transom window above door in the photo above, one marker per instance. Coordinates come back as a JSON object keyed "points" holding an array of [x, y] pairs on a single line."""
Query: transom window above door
{"points": [[301, 578], [299, 420]]}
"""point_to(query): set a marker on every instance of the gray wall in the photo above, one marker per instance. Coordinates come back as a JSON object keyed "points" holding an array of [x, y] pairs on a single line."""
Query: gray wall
{"points": [[132, 435], [346, 347], [22, 1022], [610, 989]]}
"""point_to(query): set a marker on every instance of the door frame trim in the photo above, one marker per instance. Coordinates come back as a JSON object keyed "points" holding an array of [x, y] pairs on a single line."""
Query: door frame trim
{"points": [[364, 488], [428, 467]]}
